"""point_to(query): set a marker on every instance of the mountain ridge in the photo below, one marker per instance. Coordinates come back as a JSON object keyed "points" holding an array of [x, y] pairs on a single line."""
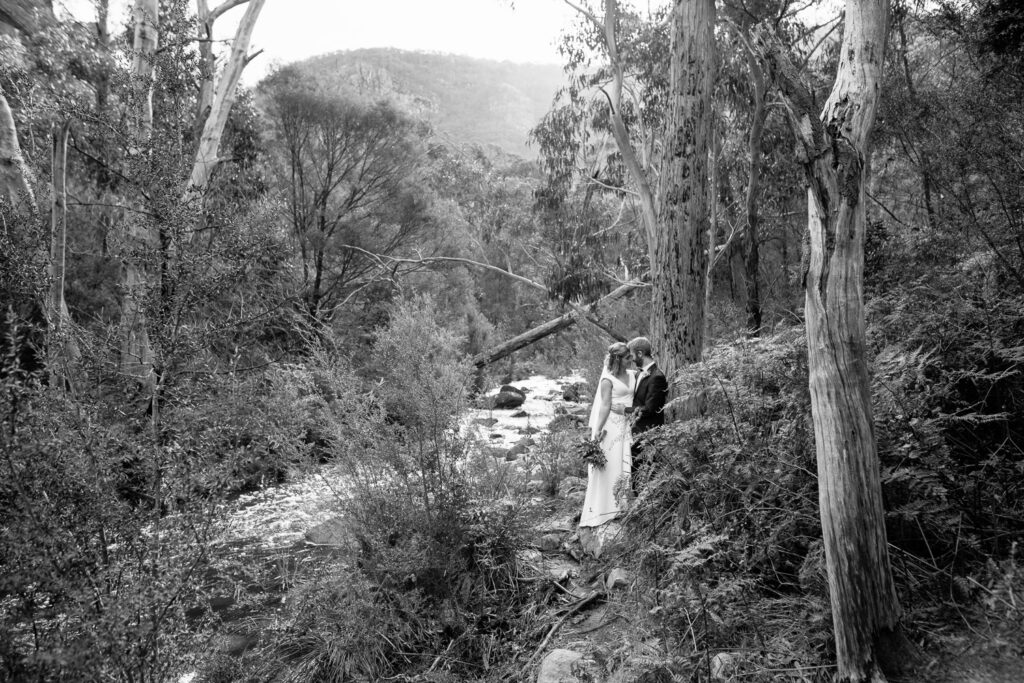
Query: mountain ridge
{"points": [[472, 100]]}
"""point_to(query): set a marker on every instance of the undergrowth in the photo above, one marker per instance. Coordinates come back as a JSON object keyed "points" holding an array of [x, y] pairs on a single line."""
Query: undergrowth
{"points": [[725, 535]]}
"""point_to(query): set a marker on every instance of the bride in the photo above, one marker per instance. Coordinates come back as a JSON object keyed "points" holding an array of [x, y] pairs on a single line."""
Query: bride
{"points": [[608, 422]]}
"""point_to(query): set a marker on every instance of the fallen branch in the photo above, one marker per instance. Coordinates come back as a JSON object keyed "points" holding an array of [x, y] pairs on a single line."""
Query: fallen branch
{"points": [[579, 312], [558, 624], [556, 325]]}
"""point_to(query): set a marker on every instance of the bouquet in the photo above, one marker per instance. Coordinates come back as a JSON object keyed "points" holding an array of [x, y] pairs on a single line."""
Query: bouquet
{"points": [[590, 452]]}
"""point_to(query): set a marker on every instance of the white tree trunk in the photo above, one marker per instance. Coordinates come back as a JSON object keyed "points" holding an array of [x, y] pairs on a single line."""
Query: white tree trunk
{"points": [[15, 177], [865, 610], [224, 96], [139, 241], [61, 347]]}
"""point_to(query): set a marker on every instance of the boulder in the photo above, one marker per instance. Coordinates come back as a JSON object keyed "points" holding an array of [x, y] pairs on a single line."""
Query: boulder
{"points": [[486, 421], [617, 578], [573, 392], [508, 397], [522, 446], [520, 413], [334, 533], [550, 542], [557, 666]]}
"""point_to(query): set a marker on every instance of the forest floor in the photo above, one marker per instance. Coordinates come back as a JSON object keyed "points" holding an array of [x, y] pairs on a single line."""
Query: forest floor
{"points": [[597, 624], [601, 631]]}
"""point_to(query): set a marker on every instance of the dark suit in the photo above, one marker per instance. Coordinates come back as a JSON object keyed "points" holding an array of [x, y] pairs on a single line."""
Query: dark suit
{"points": [[648, 403]]}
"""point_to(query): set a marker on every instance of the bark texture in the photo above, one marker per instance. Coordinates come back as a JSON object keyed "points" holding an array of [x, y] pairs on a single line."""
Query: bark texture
{"points": [[751, 236], [140, 240], [223, 96], [865, 610], [61, 348], [679, 254], [15, 177]]}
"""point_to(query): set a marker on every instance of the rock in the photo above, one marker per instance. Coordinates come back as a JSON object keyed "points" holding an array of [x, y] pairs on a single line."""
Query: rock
{"points": [[496, 435], [333, 533], [573, 392], [511, 456], [597, 538], [557, 666], [520, 413], [570, 484], [486, 421], [723, 666], [617, 578], [551, 542], [522, 446], [508, 397]]}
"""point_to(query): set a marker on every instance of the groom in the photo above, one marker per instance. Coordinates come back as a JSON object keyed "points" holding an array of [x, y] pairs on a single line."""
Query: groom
{"points": [[648, 399]]}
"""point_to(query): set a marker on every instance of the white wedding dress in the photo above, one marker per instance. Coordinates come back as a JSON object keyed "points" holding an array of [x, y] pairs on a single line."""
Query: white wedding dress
{"points": [[599, 505]]}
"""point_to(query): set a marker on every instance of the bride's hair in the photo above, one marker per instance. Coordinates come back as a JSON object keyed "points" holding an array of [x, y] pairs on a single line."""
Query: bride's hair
{"points": [[617, 355]]}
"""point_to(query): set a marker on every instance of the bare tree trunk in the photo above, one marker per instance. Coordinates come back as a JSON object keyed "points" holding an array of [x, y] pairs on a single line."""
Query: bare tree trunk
{"points": [[207, 67], [15, 177], [61, 348], [751, 237], [224, 96], [679, 254], [924, 159], [865, 610], [552, 326], [140, 238]]}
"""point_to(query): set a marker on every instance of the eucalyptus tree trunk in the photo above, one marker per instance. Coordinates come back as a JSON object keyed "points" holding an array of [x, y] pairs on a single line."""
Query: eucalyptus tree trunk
{"points": [[223, 94], [15, 177], [61, 348], [678, 251], [751, 236], [140, 238], [865, 610]]}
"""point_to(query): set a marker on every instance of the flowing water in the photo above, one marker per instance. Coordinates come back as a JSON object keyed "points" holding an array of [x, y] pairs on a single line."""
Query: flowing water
{"points": [[274, 526]]}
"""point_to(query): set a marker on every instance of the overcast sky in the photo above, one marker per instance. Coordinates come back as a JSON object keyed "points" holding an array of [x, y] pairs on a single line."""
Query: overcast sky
{"points": [[289, 30]]}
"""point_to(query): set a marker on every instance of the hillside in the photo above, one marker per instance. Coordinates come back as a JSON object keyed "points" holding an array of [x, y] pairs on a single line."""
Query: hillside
{"points": [[470, 100]]}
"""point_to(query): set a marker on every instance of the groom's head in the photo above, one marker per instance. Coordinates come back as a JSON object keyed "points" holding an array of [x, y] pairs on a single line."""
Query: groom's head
{"points": [[641, 349]]}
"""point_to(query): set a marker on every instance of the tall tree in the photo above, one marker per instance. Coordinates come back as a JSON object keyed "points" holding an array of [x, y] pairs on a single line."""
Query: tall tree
{"points": [[679, 250], [140, 239], [347, 170], [61, 349], [15, 177], [217, 98], [835, 147], [673, 204]]}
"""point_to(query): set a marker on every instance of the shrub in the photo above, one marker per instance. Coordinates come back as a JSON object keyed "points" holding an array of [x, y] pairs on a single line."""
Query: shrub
{"points": [[94, 586], [432, 579]]}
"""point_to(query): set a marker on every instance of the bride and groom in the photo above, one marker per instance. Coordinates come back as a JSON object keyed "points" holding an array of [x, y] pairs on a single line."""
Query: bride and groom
{"points": [[628, 402]]}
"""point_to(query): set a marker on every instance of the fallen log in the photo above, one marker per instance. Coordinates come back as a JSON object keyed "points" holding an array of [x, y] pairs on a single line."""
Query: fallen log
{"points": [[558, 324]]}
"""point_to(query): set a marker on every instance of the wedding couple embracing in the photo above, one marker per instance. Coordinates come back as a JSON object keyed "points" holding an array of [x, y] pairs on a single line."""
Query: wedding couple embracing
{"points": [[628, 402]]}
